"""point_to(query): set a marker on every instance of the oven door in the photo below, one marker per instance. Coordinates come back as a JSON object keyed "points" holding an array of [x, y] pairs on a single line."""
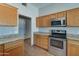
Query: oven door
{"points": [[57, 46], [55, 42]]}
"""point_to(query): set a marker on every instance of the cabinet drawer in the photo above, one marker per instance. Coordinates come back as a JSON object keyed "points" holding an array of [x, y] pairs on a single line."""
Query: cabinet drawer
{"points": [[14, 44]]}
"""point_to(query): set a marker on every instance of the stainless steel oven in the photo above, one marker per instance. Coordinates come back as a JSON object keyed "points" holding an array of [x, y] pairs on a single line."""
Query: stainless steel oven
{"points": [[57, 42]]}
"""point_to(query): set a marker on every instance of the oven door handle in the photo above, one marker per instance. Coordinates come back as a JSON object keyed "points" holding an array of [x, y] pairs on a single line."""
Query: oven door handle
{"points": [[57, 39]]}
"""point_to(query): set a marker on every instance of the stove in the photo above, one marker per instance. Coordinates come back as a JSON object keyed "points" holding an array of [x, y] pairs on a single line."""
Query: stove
{"points": [[57, 42]]}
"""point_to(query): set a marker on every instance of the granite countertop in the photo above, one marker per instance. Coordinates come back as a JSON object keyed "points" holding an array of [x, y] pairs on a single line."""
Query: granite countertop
{"points": [[9, 38], [73, 36], [42, 33]]}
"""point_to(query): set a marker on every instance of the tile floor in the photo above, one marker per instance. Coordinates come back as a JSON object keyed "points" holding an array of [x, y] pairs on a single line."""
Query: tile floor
{"points": [[34, 50]]}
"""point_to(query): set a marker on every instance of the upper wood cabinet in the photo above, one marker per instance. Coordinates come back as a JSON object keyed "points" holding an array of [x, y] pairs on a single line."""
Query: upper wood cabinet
{"points": [[39, 22], [43, 21], [72, 47], [53, 16], [58, 15], [73, 17], [1, 50], [46, 21], [8, 15], [61, 14]]}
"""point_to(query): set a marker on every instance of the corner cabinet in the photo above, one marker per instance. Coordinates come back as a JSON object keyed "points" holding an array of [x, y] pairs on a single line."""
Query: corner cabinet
{"points": [[73, 17], [15, 48], [8, 15], [72, 47]]}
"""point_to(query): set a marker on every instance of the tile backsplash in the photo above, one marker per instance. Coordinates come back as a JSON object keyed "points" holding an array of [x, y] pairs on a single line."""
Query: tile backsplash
{"points": [[8, 30], [70, 30]]}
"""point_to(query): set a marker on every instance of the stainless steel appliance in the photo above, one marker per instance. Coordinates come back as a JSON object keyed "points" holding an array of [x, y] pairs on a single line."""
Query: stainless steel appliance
{"points": [[58, 22], [57, 42]]}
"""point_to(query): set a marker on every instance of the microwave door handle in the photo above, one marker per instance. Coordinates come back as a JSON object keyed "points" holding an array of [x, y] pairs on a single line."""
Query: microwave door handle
{"points": [[61, 22]]}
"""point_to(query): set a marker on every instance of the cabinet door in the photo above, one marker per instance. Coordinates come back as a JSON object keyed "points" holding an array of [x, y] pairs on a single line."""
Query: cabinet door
{"points": [[73, 48], [8, 15], [41, 41], [18, 51], [44, 42], [61, 14], [39, 22], [43, 21], [1, 50], [46, 21], [37, 40], [73, 17], [53, 16], [14, 48]]}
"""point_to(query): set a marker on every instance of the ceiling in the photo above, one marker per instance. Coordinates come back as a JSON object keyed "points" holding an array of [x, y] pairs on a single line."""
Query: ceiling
{"points": [[40, 5]]}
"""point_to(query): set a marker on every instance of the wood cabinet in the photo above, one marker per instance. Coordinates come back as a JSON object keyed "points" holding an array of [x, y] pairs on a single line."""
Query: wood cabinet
{"points": [[37, 40], [61, 14], [39, 22], [15, 48], [73, 48], [43, 21], [73, 17], [1, 50], [46, 21], [44, 41], [53, 16], [41, 41], [8, 15], [58, 15]]}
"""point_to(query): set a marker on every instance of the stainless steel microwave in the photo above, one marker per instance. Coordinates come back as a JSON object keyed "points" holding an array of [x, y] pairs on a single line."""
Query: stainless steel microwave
{"points": [[61, 22]]}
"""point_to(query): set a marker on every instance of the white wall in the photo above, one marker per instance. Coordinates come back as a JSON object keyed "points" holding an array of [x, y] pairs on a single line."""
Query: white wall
{"points": [[30, 11], [57, 7]]}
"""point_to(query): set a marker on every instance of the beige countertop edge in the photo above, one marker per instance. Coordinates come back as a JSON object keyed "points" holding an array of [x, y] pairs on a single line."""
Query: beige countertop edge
{"points": [[3, 41], [42, 33], [72, 38]]}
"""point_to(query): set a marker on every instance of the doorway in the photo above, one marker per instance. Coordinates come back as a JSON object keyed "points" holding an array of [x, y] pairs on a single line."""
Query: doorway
{"points": [[25, 28]]}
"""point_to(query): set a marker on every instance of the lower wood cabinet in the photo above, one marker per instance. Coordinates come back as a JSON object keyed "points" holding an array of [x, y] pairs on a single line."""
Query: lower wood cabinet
{"points": [[18, 51], [73, 48], [1, 50], [41, 41], [15, 48]]}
